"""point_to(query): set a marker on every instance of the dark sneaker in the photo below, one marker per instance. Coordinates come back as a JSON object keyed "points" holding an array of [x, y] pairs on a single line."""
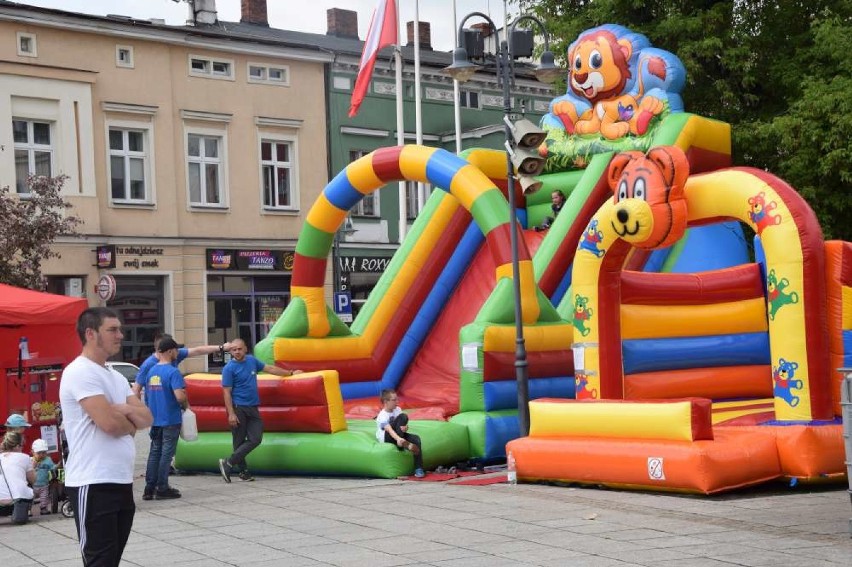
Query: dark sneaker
{"points": [[419, 473], [225, 469], [246, 476], [148, 494], [167, 494]]}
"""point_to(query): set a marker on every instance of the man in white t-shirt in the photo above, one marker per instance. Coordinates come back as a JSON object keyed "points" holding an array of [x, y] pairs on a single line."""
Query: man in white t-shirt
{"points": [[100, 416]]}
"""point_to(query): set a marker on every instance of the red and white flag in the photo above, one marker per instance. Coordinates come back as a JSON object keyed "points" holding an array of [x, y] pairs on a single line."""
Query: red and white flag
{"points": [[383, 32]]}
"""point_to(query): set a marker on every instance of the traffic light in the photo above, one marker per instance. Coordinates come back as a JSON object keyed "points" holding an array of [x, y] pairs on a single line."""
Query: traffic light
{"points": [[527, 161]]}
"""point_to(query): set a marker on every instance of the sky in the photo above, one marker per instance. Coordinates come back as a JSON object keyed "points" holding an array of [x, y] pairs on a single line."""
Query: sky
{"points": [[297, 15]]}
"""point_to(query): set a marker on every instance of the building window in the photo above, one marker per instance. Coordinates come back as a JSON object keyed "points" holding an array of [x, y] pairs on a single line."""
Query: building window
{"points": [[27, 44], [211, 68], [277, 162], [33, 151], [243, 307], [342, 83], [468, 99], [270, 75], [128, 165], [368, 206], [205, 168], [411, 200], [124, 56]]}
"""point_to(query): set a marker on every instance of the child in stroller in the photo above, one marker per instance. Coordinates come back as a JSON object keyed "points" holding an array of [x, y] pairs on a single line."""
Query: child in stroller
{"points": [[56, 487]]}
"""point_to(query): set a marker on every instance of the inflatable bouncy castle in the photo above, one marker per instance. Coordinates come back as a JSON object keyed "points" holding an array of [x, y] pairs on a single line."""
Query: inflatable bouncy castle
{"points": [[666, 348]]}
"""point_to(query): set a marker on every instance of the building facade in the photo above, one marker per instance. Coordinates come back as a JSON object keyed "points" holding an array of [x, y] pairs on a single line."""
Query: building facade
{"points": [[191, 155], [365, 251]]}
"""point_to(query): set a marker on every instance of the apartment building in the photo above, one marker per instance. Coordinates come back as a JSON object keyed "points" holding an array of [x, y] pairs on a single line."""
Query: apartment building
{"points": [[192, 155]]}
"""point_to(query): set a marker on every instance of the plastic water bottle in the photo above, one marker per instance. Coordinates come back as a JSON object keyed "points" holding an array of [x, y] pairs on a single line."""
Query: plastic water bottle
{"points": [[24, 347], [511, 471]]}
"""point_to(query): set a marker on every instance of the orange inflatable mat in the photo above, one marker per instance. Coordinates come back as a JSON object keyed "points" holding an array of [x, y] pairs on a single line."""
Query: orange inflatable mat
{"points": [[809, 453], [733, 459]]}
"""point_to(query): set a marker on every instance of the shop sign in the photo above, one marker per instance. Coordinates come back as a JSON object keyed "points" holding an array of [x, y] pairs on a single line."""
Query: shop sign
{"points": [[363, 264], [139, 260], [249, 260], [105, 257], [106, 287]]}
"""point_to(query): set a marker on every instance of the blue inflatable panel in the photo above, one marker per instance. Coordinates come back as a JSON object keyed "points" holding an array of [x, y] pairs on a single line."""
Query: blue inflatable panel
{"points": [[759, 254], [499, 430], [523, 218], [656, 260], [503, 394], [341, 193], [847, 352], [442, 167], [432, 306], [652, 355], [712, 247], [357, 390], [563, 286]]}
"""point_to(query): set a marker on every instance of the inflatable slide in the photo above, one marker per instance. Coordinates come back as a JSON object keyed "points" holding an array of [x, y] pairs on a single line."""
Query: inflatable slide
{"points": [[633, 346]]}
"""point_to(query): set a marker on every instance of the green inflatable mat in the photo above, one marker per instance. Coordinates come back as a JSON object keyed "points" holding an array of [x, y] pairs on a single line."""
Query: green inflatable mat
{"points": [[355, 452]]}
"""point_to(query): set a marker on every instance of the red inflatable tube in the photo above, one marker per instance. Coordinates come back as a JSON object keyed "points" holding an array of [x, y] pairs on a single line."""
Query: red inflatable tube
{"points": [[301, 419], [304, 391]]}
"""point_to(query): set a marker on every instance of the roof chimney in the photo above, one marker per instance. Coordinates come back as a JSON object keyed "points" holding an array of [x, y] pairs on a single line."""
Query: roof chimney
{"points": [[254, 12], [342, 23], [202, 12], [425, 33]]}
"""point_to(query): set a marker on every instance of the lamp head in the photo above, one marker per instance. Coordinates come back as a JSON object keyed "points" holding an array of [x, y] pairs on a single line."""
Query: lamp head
{"points": [[461, 69], [547, 71]]}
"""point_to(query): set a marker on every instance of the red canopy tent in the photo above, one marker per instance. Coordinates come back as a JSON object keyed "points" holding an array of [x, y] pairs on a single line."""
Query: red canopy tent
{"points": [[49, 323], [47, 320]]}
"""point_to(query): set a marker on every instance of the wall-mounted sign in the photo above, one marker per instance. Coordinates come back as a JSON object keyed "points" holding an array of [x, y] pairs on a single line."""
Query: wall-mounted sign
{"points": [[132, 256], [105, 288], [219, 259], [105, 257], [363, 264]]}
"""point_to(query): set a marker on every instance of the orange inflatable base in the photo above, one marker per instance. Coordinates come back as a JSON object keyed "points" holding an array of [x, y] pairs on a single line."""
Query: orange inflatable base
{"points": [[734, 459], [809, 453]]}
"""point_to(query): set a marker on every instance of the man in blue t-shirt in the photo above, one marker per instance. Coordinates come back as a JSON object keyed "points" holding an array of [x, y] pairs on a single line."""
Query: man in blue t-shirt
{"points": [[239, 383], [182, 354], [165, 396]]}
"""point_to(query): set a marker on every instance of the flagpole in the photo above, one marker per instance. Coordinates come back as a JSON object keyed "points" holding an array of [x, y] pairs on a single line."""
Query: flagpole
{"points": [[456, 103], [400, 134], [418, 119]]}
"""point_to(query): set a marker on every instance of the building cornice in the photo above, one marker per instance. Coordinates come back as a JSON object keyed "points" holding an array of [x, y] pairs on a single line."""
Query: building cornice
{"points": [[369, 132], [28, 69], [128, 108], [206, 116], [294, 123]]}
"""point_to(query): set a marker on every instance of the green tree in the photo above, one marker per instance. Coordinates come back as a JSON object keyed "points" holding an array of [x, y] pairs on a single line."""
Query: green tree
{"points": [[29, 225], [778, 72]]}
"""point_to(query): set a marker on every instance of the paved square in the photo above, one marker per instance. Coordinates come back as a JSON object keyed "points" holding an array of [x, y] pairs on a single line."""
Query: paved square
{"points": [[294, 522]]}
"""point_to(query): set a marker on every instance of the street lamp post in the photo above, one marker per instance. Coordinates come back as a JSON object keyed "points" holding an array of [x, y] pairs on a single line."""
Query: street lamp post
{"points": [[342, 232], [519, 135]]}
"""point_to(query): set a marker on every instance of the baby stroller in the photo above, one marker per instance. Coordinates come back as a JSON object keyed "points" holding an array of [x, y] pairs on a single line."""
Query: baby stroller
{"points": [[58, 497]]}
